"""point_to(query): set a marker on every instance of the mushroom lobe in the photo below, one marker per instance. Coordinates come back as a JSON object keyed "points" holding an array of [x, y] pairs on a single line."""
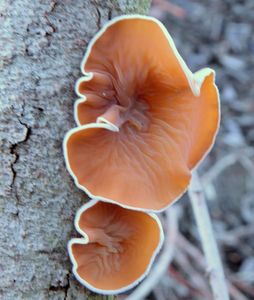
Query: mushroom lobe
{"points": [[129, 66], [121, 244], [147, 121]]}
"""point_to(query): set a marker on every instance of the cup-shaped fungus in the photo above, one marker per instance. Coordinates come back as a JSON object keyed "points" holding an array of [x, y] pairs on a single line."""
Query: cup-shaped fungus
{"points": [[117, 248], [151, 119]]}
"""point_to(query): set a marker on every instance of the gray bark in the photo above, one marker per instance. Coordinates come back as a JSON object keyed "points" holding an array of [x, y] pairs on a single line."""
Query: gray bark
{"points": [[41, 46]]}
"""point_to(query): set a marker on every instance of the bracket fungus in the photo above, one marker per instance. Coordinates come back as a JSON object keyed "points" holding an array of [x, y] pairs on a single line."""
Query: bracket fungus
{"points": [[117, 248], [144, 119]]}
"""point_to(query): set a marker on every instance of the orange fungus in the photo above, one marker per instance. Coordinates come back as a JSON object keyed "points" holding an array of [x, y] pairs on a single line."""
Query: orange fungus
{"points": [[145, 120], [117, 248]]}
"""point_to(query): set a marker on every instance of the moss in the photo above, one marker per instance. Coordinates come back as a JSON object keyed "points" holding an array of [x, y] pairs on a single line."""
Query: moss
{"points": [[133, 7]]}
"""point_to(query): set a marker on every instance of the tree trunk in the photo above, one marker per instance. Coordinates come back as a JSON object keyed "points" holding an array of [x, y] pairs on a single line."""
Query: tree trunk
{"points": [[41, 47]]}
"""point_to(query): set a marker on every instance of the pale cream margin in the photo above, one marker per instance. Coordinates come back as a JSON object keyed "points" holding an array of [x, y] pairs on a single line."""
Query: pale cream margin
{"points": [[85, 240], [194, 84], [195, 81]]}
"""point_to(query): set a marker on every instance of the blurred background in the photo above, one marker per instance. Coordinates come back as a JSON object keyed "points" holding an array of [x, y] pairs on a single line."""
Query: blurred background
{"points": [[218, 34]]}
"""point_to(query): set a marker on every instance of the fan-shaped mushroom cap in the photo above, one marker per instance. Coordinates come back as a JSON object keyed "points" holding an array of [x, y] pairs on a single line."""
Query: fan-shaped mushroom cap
{"points": [[151, 119], [117, 248]]}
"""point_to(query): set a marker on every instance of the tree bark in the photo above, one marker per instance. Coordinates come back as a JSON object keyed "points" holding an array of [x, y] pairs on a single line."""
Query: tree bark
{"points": [[41, 47]]}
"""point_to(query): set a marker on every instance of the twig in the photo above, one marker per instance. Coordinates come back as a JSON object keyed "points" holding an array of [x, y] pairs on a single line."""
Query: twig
{"points": [[219, 167], [215, 270], [158, 293], [232, 237], [244, 287], [243, 156], [161, 266], [184, 245], [192, 290], [236, 294], [193, 252], [195, 276]]}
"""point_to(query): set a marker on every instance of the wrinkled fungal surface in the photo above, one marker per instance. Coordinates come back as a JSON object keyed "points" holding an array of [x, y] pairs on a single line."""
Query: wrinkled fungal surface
{"points": [[146, 120], [118, 246]]}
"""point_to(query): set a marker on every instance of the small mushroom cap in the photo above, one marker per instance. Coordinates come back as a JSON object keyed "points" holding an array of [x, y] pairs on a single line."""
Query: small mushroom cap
{"points": [[145, 120], [117, 248]]}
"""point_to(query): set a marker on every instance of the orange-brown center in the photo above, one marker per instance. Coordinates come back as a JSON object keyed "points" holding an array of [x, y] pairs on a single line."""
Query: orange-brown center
{"points": [[108, 240], [127, 106]]}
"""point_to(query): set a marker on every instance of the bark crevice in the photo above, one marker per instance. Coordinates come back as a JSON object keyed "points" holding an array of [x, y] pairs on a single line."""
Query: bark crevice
{"points": [[42, 45]]}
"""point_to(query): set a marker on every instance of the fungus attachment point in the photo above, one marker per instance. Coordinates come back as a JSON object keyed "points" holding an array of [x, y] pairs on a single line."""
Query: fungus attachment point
{"points": [[117, 249], [145, 120]]}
